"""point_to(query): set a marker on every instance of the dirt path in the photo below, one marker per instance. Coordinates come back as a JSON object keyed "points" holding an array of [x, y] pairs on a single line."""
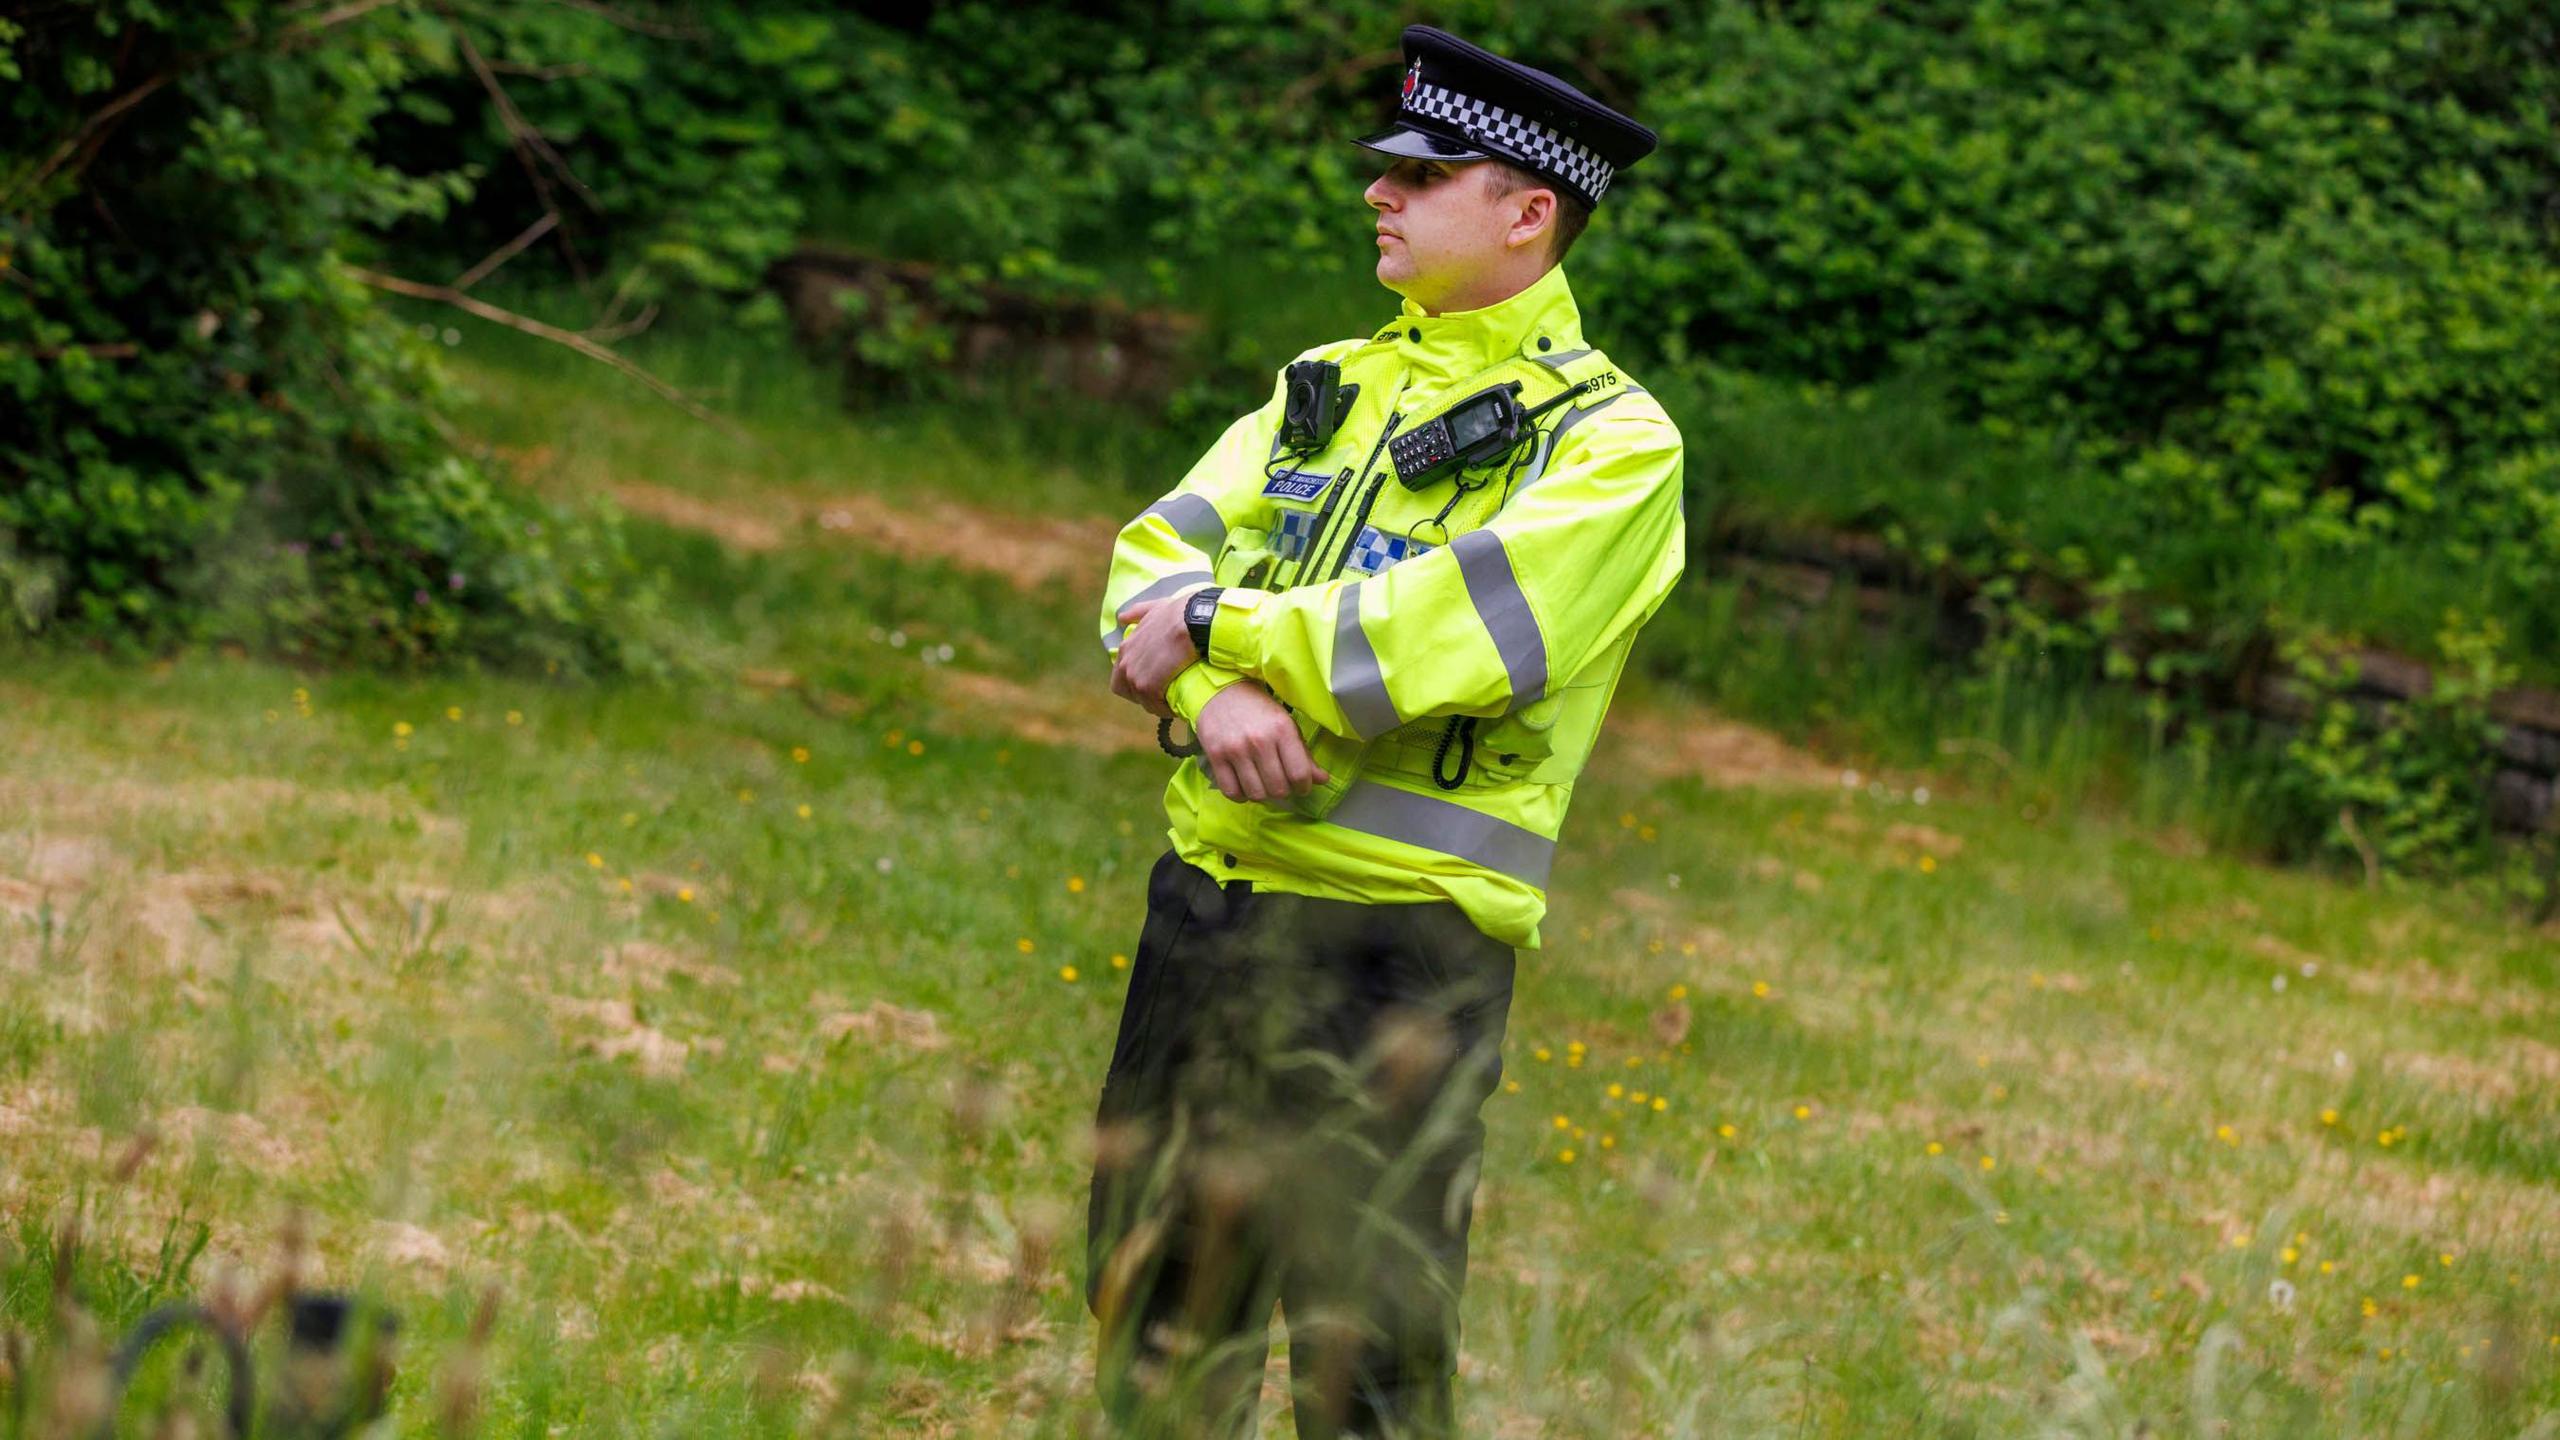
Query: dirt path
{"points": [[1040, 553]]}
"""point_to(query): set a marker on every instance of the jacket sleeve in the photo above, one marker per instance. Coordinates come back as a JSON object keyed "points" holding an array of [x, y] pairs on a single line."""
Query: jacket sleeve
{"points": [[1578, 558], [1173, 544]]}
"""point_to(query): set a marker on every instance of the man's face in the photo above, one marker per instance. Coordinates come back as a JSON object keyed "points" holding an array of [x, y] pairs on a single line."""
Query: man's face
{"points": [[1439, 226]]}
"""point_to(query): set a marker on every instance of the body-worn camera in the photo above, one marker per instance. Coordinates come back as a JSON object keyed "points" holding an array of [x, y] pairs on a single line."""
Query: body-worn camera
{"points": [[1315, 402]]}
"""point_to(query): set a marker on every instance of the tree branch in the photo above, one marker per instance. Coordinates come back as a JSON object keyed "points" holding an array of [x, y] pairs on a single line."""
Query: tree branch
{"points": [[507, 252], [88, 127], [96, 124], [655, 28], [95, 350], [557, 336], [1305, 86], [527, 143]]}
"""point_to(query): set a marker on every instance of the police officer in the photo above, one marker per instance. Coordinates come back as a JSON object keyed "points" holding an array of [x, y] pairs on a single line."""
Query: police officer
{"points": [[1393, 604]]}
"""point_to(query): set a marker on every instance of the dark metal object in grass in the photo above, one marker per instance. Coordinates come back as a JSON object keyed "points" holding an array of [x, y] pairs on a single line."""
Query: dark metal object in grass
{"points": [[323, 1395]]}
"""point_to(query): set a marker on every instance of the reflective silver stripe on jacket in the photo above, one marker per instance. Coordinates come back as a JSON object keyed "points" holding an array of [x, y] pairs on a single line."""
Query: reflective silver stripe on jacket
{"points": [[1165, 586], [1193, 518], [1504, 611], [1448, 827], [1357, 686]]}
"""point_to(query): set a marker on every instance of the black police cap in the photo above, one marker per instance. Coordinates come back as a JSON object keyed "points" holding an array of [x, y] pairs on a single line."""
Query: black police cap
{"points": [[1463, 102]]}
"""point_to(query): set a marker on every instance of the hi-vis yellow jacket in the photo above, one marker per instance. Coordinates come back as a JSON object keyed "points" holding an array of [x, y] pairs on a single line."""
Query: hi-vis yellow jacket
{"points": [[1385, 618]]}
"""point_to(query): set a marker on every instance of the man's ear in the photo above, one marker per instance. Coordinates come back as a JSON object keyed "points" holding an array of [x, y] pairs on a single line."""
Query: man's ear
{"points": [[1537, 216]]}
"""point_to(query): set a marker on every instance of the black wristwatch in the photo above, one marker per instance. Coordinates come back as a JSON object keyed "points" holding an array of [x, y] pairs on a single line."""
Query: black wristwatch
{"points": [[1198, 612]]}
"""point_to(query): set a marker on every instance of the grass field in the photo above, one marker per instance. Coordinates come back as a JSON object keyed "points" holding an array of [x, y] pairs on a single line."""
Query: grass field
{"points": [[737, 1041]]}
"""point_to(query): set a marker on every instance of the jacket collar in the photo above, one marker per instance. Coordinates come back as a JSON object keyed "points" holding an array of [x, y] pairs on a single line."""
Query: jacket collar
{"points": [[1445, 349]]}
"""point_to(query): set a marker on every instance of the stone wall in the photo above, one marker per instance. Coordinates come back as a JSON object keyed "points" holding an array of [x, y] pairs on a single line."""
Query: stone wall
{"points": [[1098, 348], [1797, 571]]}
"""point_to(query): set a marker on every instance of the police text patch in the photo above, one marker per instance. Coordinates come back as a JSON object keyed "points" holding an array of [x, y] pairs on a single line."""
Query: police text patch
{"points": [[1297, 484]]}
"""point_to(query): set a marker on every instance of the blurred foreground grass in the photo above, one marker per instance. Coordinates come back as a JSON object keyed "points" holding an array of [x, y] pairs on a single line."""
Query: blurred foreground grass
{"points": [[741, 1039]]}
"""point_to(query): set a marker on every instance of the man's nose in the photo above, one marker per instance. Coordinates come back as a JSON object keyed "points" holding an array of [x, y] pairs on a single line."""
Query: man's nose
{"points": [[1379, 194]]}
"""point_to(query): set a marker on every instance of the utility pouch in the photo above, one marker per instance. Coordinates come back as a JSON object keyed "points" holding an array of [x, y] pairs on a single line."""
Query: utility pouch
{"points": [[1339, 756]]}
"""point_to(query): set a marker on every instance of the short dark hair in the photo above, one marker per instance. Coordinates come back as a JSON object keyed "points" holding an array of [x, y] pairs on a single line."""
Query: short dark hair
{"points": [[1571, 214]]}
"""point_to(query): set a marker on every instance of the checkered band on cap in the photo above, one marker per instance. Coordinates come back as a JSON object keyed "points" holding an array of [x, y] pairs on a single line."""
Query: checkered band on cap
{"points": [[1538, 144]]}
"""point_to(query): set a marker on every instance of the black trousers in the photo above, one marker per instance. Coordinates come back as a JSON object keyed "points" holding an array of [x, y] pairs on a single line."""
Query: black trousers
{"points": [[1290, 1117]]}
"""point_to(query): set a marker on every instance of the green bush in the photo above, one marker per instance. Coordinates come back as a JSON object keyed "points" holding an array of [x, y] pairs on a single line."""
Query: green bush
{"points": [[213, 431], [2283, 272]]}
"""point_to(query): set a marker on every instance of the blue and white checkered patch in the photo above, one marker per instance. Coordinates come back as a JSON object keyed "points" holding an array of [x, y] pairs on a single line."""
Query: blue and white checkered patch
{"points": [[1297, 531], [1374, 552]]}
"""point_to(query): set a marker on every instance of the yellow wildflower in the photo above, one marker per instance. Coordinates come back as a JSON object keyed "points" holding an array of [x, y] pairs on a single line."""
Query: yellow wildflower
{"points": [[1564, 1157], [1617, 1091], [1989, 1163], [515, 717], [915, 747], [1661, 1104], [685, 894], [2328, 1117], [594, 861], [1067, 973], [1119, 962], [453, 712], [1681, 992], [804, 811], [1563, 1124], [1928, 864], [1937, 1149], [1726, 1130], [2408, 1282], [799, 754], [1023, 944], [1075, 884], [403, 729]]}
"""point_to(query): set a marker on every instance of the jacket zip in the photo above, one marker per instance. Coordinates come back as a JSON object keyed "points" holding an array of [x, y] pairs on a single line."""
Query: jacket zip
{"points": [[1351, 532], [1324, 517]]}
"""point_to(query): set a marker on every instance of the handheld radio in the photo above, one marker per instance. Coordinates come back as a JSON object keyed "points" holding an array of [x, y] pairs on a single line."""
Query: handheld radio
{"points": [[1475, 431]]}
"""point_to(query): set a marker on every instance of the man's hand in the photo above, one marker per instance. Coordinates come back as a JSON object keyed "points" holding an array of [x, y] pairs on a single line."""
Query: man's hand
{"points": [[1156, 647], [1252, 748]]}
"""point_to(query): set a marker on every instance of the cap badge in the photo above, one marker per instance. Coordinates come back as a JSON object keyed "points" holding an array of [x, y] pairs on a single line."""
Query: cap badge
{"points": [[1412, 75]]}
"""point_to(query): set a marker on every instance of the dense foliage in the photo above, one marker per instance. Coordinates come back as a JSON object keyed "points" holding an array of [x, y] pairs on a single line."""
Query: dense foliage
{"points": [[212, 429], [2280, 274]]}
